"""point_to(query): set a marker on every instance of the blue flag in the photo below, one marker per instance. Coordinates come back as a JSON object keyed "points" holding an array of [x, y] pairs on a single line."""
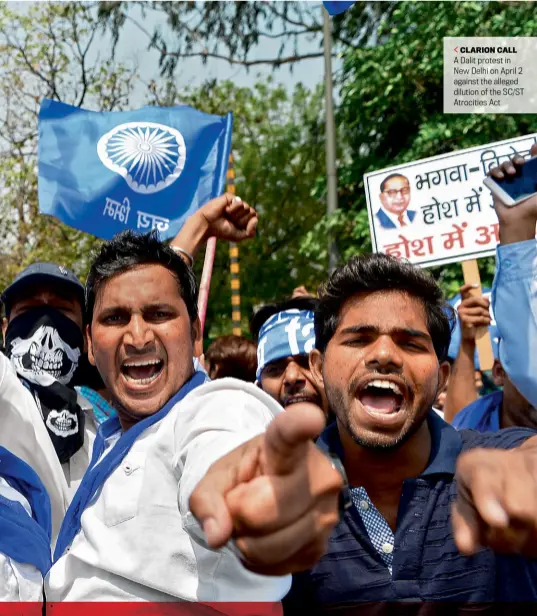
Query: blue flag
{"points": [[335, 7], [103, 172]]}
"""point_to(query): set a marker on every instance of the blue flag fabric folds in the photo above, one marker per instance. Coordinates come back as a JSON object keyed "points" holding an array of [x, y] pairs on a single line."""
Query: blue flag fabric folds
{"points": [[335, 7], [104, 172], [23, 538]]}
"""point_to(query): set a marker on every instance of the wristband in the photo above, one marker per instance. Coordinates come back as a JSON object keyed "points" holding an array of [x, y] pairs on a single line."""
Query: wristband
{"points": [[182, 251]]}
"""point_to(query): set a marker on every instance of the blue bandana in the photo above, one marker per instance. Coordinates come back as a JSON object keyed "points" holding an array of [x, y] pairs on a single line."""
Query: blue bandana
{"points": [[285, 334]]}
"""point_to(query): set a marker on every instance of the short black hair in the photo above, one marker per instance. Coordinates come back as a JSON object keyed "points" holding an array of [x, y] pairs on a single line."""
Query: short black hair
{"points": [[389, 177], [126, 251], [380, 272], [265, 312], [233, 356]]}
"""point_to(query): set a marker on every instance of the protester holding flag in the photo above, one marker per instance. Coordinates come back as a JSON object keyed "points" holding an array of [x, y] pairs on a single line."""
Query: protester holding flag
{"points": [[123, 537], [514, 296]]}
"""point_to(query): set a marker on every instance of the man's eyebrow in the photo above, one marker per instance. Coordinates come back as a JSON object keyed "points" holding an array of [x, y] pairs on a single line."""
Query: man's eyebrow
{"points": [[361, 329], [371, 329], [113, 308]]}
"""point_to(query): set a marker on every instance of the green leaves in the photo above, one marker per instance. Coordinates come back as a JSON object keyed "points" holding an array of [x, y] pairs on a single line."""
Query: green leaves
{"points": [[391, 108], [47, 50]]}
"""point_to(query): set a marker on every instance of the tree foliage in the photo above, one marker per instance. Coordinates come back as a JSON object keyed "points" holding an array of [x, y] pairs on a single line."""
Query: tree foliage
{"points": [[233, 31], [46, 50], [278, 148], [392, 104], [389, 111]]}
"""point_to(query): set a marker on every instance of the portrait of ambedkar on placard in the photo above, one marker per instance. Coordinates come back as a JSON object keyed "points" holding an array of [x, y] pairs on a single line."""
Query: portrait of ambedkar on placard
{"points": [[395, 199]]}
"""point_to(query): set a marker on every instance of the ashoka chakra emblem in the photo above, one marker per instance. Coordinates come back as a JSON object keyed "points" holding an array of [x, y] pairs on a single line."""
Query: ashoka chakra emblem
{"points": [[149, 156]]}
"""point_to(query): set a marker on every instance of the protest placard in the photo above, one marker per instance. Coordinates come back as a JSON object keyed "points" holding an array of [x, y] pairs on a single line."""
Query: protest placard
{"points": [[436, 210]]}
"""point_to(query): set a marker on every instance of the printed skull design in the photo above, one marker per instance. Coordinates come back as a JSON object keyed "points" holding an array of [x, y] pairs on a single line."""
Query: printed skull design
{"points": [[43, 356], [62, 423]]}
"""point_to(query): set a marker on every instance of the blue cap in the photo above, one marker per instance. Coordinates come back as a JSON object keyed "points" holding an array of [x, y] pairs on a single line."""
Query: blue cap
{"points": [[42, 273]]}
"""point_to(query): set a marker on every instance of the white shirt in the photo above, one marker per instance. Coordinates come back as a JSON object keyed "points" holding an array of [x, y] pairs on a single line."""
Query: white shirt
{"points": [[18, 581], [23, 433], [133, 544]]}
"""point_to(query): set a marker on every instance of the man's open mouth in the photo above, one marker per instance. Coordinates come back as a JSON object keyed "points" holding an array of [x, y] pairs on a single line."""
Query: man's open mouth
{"points": [[382, 397], [142, 372]]}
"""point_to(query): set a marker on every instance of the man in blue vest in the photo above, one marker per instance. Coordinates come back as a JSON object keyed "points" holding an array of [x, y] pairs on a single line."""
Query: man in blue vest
{"points": [[432, 506], [395, 198]]}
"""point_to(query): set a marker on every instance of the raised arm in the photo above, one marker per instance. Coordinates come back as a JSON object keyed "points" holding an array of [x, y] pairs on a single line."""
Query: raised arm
{"points": [[514, 294]]}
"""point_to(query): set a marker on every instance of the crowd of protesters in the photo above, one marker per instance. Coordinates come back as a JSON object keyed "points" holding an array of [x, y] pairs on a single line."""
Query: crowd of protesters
{"points": [[336, 456]]}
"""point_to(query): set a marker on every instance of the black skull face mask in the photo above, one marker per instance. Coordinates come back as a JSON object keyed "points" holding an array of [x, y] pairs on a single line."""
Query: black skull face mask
{"points": [[45, 347]]}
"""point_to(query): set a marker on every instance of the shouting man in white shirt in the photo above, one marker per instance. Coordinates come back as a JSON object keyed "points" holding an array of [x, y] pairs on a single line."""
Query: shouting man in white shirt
{"points": [[124, 535]]}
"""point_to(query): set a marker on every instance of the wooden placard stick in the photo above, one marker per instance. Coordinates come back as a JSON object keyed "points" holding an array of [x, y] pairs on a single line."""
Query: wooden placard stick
{"points": [[483, 343]]}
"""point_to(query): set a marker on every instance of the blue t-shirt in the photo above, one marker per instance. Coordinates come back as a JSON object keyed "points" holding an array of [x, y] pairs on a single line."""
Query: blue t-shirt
{"points": [[426, 565], [482, 415]]}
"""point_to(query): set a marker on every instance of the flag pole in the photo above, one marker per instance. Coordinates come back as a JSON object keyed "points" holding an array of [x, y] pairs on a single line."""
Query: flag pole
{"points": [[205, 284], [234, 263], [330, 128]]}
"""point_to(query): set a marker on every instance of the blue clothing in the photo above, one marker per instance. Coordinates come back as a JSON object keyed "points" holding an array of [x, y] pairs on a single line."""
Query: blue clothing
{"points": [[427, 566], [24, 538], [285, 334], [102, 409], [482, 415], [387, 223], [514, 301]]}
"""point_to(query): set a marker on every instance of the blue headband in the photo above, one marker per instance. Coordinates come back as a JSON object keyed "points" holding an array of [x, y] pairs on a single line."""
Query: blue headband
{"points": [[285, 334]]}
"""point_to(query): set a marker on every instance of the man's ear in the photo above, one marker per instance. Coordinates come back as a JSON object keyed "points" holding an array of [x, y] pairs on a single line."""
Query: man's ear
{"points": [[4, 328], [316, 367], [444, 371], [91, 357], [197, 338], [498, 373]]}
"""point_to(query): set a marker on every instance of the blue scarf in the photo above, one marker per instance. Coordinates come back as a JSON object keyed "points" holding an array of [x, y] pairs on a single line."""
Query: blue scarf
{"points": [[97, 474], [23, 538], [482, 415]]}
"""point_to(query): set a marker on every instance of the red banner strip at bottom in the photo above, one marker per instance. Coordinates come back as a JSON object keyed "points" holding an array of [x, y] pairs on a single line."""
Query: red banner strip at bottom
{"points": [[150, 609]]}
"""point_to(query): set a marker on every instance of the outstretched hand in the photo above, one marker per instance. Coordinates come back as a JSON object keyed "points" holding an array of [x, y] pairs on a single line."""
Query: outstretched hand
{"points": [[277, 495], [496, 504]]}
